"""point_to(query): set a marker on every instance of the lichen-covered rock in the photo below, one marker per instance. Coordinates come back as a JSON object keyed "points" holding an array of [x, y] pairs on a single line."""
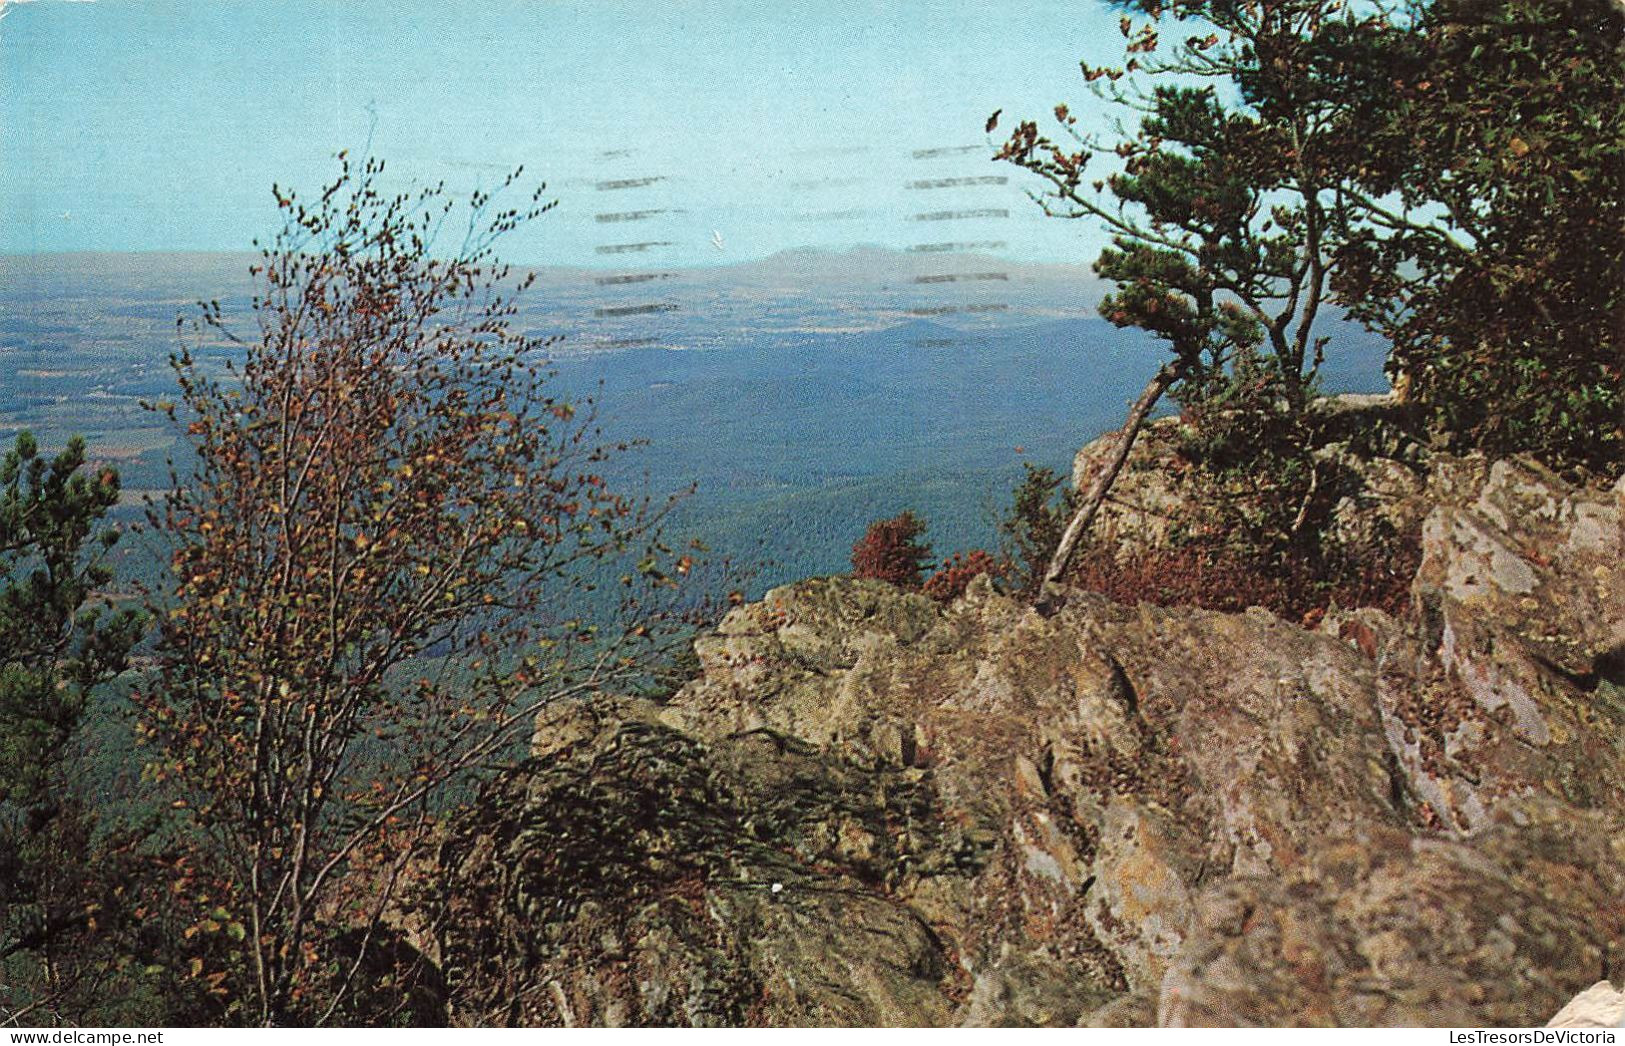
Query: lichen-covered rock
{"points": [[1388, 928], [1152, 494], [1511, 682], [634, 875], [1370, 469], [872, 809], [1145, 876], [1533, 558]]}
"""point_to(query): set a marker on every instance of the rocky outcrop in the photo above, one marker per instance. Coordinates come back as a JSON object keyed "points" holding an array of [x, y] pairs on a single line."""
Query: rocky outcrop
{"points": [[1370, 480], [871, 809], [1392, 928], [1509, 682], [633, 874]]}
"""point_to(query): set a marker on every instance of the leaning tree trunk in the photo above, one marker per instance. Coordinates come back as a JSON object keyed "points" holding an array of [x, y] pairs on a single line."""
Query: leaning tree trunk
{"points": [[1101, 485]]}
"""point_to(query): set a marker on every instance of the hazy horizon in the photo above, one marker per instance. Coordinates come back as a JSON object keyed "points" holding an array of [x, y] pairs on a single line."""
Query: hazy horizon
{"points": [[703, 133]]}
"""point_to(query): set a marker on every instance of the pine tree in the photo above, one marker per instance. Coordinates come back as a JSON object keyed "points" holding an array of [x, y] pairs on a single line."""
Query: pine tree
{"points": [[59, 641]]}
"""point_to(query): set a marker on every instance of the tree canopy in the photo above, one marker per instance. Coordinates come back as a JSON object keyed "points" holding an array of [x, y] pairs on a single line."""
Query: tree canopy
{"points": [[381, 552], [1446, 171]]}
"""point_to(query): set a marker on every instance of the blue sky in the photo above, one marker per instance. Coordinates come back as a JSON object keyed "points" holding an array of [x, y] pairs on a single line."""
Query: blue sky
{"points": [[133, 125]]}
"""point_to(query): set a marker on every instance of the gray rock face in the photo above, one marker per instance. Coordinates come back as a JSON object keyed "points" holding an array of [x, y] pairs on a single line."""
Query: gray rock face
{"points": [[1360, 448], [1509, 682], [1384, 927], [1600, 1006], [870, 809]]}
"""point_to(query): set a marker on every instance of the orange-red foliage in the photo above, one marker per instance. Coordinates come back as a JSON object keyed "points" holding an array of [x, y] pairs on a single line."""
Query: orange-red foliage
{"points": [[1296, 590], [951, 578], [891, 550]]}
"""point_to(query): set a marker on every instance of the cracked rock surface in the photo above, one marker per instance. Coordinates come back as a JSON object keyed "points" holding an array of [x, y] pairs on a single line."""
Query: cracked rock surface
{"points": [[869, 809]]}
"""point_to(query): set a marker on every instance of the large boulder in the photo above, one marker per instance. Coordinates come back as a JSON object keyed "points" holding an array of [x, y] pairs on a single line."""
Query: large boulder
{"points": [[1510, 681], [1391, 928], [630, 874], [1371, 480], [1600, 1006]]}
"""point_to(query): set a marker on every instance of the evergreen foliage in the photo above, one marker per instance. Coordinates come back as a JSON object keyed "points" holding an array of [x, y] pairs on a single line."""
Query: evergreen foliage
{"points": [[1448, 171], [1031, 528], [60, 638], [1492, 184]]}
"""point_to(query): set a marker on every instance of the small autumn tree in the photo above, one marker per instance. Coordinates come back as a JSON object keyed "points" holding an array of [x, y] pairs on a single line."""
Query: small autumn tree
{"points": [[891, 550], [60, 639], [954, 575], [383, 553], [1030, 530]]}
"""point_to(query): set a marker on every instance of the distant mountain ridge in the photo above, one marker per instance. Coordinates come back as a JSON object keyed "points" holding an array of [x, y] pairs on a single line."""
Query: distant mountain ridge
{"points": [[824, 393], [863, 264]]}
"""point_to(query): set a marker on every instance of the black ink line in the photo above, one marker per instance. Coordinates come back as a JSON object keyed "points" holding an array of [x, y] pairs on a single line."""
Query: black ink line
{"points": [[955, 183], [627, 183], [629, 216], [944, 310], [633, 277], [951, 150], [945, 216], [629, 248], [962, 245], [635, 310], [963, 277]]}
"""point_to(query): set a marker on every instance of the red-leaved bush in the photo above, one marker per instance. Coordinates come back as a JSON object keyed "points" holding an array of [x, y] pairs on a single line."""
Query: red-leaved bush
{"points": [[891, 550], [951, 578]]}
